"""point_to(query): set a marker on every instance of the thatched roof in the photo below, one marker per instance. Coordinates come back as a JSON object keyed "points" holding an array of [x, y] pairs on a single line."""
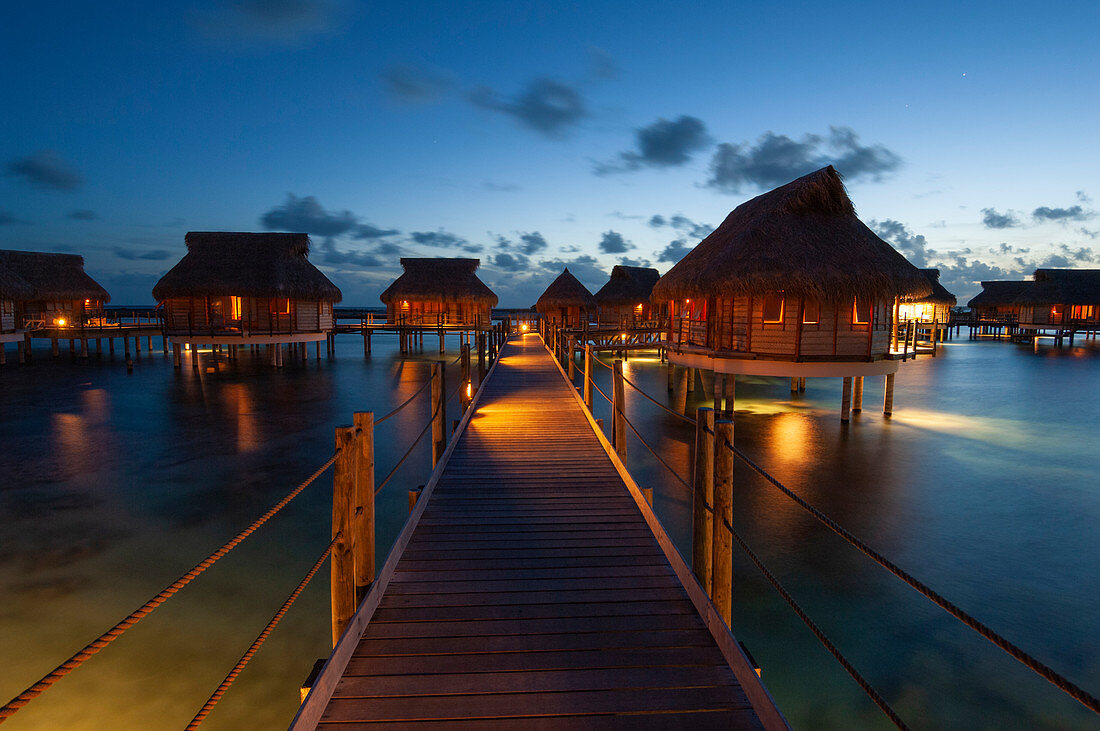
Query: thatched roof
{"points": [[998, 293], [939, 296], [628, 286], [439, 279], [566, 291], [1062, 287], [222, 263], [52, 276], [13, 286], [802, 239]]}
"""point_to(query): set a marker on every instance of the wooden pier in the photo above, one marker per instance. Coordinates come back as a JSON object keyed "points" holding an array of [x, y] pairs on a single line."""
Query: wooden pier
{"points": [[532, 585]]}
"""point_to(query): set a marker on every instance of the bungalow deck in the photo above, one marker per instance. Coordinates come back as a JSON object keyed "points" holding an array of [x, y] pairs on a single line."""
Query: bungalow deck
{"points": [[532, 585]]}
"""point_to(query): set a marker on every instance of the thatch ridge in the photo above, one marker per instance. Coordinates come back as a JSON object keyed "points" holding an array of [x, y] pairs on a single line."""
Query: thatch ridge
{"points": [[802, 239], [566, 291], [628, 285], [223, 263], [997, 293], [1062, 287], [428, 279], [52, 276], [939, 296]]}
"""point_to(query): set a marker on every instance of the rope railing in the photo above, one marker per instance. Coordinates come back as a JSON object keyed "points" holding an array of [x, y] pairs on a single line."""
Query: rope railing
{"points": [[873, 694], [412, 446], [407, 401], [78, 659], [658, 403], [260, 638], [652, 451], [1041, 669]]}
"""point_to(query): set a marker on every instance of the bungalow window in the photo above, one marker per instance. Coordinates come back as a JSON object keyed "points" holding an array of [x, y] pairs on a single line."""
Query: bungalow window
{"points": [[773, 308], [1055, 312], [280, 306], [861, 313], [1081, 312], [811, 312], [235, 307]]}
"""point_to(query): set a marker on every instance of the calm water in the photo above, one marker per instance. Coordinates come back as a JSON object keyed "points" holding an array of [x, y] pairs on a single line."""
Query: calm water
{"points": [[985, 484]]}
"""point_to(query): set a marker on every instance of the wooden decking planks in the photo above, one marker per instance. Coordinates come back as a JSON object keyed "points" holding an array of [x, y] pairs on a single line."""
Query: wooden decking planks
{"points": [[532, 591]]}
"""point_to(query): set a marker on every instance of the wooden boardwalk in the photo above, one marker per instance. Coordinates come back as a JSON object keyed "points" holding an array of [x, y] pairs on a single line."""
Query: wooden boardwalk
{"points": [[533, 587]]}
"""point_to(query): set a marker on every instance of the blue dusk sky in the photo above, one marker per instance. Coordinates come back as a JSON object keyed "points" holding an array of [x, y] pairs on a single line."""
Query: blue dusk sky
{"points": [[541, 135]]}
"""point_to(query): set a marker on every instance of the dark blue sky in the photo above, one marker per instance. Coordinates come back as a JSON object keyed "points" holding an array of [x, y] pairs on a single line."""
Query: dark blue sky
{"points": [[534, 137]]}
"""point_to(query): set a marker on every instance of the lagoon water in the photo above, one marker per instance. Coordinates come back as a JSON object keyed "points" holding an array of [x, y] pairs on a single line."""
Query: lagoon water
{"points": [[985, 484]]}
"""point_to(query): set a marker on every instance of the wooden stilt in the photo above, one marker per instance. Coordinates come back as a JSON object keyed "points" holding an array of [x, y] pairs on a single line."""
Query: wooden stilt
{"points": [[888, 396], [679, 391], [54, 350], [22, 348], [111, 346], [846, 400], [802, 383], [794, 385], [857, 394], [176, 355]]}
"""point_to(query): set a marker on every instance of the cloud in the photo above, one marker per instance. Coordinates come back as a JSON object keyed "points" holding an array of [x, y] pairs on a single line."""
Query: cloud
{"points": [[1005, 248], [627, 261], [445, 240], [661, 144], [681, 224], [363, 259], [532, 243], [1082, 197], [913, 247], [675, 251], [1088, 232], [510, 262], [778, 159], [601, 65], [7, 219], [1081, 254], [612, 242], [284, 22], [1073, 213], [134, 255], [309, 216], [584, 267], [367, 231], [82, 214], [415, 84], [992, 219], [45, 169], [545, 105]]}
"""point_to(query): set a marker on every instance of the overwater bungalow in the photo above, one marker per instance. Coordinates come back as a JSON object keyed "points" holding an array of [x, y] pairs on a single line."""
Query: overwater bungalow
{"points": [[61, 293], [997, 301], [566, 302], [1064, 300], [625, 300], [233, 289], [439, 291], [793, 284], [12, 289], [935, 307]]}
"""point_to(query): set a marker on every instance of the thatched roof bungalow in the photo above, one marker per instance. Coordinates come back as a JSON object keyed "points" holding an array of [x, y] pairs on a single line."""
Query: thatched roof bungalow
{"points": [[1063, 297], [439, 291], [997, 300], [792, 283], [60, 292], [250, 288], [566, 301], [934, 307], [625, 299], [13, 288]]}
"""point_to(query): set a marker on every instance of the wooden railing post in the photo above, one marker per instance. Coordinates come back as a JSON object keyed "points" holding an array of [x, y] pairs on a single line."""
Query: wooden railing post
{"points": [[466, 393], [618, 421], [722, 558], [572, 364], [439, 412], [362, 519], [342, 560], [702, 532], [588, 376], [480, 356]]}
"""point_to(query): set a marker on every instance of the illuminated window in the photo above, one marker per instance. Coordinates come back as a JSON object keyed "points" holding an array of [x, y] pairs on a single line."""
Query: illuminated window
{"points": [[280, 306], [1055, 312], [773, 308], [861, 313], [811, 312], [1081, 312], [235, 307]]}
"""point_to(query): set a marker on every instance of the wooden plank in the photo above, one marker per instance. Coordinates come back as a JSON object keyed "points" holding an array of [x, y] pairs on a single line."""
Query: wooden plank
{"points": [[531, 626], [535, 643], [492, 573], [522, 585], [580, 609], [658, 721]]}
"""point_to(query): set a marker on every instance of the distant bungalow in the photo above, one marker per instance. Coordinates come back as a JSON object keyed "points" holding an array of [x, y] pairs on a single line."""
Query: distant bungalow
{"points": [[791, 284], [932, 310], [61, 293], [624, 300], [566, 302], [1063, 298], [997, 301], [439, 291], [13, 289], [246, 289]]}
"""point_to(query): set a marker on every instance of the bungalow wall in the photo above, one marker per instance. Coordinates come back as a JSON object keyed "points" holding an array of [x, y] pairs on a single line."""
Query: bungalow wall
{"points": [[793, 329], [566, 316], [73, 311], [226, 315], [627, 314], [432, 312], [7, 316], [925, 312], [1059, 315]]}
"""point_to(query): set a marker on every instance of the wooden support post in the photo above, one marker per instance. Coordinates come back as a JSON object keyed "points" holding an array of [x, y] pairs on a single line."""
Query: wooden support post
{"points": [[54, 351], [679, 391], [857, 395], [894, 328], [905, 343], [719, 390], [846, 399], [21, 347], [481, 369], [618, 422], [802, 384], [721, 592], [794, 385], [342, 561], [72, 348], [671, 377], [691, 380], [362, 518], [137, 345], [702, 531], [414, 496], [647, 493], [587, 390], [935, 335], [888, 396], [176, 355], [442, 340], [572, 363], [439, 411], [130, 359], [111, 346], [194, 356], [3, 354], [466, 389], [84, 347]]}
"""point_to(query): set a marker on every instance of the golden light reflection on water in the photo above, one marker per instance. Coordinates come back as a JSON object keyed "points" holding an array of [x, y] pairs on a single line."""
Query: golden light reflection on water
{"points": [[791, 432], [237, 400]]}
